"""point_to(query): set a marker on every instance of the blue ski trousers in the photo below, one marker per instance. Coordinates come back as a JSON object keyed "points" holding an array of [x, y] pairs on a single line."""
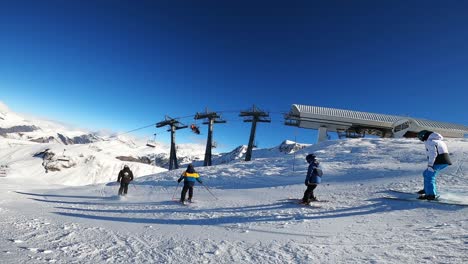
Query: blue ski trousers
{"points": [[430, 179]]}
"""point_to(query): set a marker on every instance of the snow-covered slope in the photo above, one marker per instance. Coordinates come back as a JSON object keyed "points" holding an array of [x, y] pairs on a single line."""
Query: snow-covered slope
{"points": [[245, 215]]}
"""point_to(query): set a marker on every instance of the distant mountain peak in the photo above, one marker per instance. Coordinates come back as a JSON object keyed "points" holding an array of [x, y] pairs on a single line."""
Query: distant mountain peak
{"points": [[289, 146]]}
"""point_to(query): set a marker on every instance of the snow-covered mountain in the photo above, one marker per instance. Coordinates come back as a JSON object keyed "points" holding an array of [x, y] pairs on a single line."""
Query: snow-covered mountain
{"points": [[41, 149], [15, 126]]}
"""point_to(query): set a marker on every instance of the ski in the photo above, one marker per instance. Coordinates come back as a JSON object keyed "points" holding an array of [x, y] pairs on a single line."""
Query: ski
{"points": [[311, 204], [300, 199], [185, 203], [406, 192], [413, 197]]}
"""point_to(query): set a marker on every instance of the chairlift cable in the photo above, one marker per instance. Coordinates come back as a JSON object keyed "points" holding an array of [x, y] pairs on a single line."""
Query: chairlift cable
{"points": [[136, 129], [187, 116]]}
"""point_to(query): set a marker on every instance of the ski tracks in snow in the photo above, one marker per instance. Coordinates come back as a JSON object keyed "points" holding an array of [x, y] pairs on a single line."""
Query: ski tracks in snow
{"points": [[38, 241], [89, 228]]}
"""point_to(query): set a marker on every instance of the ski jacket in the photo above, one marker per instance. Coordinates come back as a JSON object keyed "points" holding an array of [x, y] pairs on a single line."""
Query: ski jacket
{"points": [[314, 175], [190, 177], [125, 176], [436, 150]]}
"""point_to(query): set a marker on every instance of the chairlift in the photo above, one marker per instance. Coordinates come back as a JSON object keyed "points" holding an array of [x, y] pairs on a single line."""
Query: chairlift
{"points": [[195, 129], [63, 157], [3, 170], [151, 143]]}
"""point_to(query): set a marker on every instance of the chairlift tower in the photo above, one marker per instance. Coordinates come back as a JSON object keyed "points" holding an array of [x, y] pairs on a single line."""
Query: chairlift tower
{"points": [[254, 116], [213, 118], [174, 125]]}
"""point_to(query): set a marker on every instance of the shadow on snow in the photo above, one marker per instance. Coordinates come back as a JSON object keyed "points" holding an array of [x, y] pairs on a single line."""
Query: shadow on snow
{"points": [[239, 215]]}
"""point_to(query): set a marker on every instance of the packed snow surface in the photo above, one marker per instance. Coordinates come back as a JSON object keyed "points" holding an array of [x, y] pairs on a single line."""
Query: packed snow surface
{"points": [[242, 212]]}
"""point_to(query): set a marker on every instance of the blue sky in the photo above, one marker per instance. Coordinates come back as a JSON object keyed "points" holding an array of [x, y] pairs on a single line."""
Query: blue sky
{"points": [[121, 65]]}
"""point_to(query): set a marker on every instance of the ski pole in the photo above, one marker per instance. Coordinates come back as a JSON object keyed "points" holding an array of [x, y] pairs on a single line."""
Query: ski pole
{"points": [[175, 191], [209, 191]]}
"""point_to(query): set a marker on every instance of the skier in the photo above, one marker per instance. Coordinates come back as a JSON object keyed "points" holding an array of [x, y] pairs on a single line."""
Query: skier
{"points": [[195, 129], [437, 160], [313, 178], [189, 177], [125, 177]]}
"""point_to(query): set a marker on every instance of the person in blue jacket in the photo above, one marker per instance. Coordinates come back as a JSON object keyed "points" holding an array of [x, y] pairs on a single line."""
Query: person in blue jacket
{"points": [[313, 178], [189, 177]]}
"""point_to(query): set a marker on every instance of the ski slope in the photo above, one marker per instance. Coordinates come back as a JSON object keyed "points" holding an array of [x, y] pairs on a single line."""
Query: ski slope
{"points": [[249, 219]]}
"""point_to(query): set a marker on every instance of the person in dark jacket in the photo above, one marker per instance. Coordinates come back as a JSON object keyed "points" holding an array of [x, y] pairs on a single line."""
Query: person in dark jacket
{"points": [[125, 177], [437, 160], [313, 178], [189, 177]]}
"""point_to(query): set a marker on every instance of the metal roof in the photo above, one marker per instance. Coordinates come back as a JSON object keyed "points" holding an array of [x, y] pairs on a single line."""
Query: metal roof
{"points": [[315, 116], [346, 114], [441, 125]]}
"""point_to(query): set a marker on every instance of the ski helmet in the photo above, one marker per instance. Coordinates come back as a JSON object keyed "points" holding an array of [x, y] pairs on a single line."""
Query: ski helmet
{"points": [[422, 135], [126, 167], [310, 157], [190, 168]]}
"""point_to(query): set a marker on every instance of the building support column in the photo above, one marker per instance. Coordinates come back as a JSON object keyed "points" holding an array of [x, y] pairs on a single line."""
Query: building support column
{"points": [[322, 134]]}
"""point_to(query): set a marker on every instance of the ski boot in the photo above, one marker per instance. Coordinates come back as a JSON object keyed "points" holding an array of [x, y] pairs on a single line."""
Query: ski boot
{"points": [[430, 197]]}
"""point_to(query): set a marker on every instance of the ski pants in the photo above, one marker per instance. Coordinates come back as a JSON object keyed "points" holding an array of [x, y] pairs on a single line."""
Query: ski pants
{"points": [[123, 188], [309, 193], [188, 186], [430, 179]]}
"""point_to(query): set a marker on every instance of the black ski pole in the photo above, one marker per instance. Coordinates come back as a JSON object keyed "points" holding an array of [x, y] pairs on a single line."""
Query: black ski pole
{"points": [[175, 191], [209, 191]]}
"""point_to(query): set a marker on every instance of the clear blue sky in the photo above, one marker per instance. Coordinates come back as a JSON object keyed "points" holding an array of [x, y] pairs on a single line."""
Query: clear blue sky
{"points": [[121, 65]]}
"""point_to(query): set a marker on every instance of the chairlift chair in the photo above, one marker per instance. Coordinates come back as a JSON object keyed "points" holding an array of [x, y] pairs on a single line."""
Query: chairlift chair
{"points": [[151, 143], [63, 157], [3, 171], [195, 129]]}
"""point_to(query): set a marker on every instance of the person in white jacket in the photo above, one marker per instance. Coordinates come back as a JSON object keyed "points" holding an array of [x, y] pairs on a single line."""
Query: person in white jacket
{"points": [[437, 160]]}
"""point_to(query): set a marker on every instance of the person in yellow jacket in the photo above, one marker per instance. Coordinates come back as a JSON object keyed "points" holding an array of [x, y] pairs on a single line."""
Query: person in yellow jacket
{"points": [[189, 177]]}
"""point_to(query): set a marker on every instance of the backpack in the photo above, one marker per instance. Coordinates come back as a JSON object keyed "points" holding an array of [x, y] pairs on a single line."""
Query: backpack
{"points": [[318, 172]]}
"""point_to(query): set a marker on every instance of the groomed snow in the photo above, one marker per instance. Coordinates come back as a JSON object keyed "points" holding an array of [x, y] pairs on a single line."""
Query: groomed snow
{"points": [[250, 220]]}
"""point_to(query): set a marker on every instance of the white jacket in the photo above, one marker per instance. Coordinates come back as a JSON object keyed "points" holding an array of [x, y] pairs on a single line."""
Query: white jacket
{"points": [[435, 147]]}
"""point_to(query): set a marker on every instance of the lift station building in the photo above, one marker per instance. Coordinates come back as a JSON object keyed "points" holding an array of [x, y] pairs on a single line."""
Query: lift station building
{"points": [[353, 124]]}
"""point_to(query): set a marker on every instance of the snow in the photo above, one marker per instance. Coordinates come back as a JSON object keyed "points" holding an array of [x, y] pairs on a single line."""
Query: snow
{"points": [[246, 216]]}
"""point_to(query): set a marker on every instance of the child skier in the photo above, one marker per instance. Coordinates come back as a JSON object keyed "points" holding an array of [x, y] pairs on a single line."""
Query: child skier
{"points": [[189, 177], [313, 178], [437, 160]]}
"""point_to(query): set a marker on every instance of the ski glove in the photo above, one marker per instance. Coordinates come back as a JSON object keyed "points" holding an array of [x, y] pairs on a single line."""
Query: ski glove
{"points": [[179, 180], [200, 182], [430, 168]]}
